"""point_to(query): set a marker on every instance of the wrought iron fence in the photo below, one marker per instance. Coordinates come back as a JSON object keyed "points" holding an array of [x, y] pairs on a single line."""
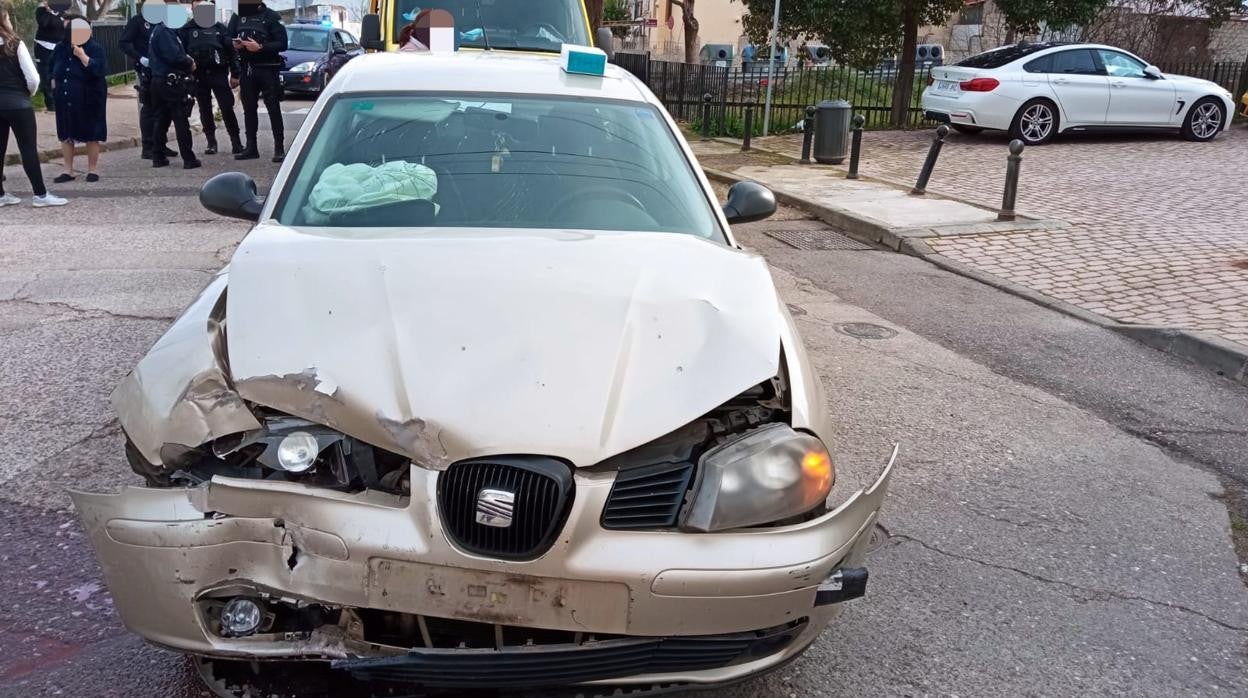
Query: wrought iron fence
{"points": [[108, 35], [1233, 75], [682, 87]]}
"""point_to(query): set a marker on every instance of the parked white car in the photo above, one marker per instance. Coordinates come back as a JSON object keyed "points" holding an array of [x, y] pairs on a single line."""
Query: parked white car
{"points": [[1036, 91]]}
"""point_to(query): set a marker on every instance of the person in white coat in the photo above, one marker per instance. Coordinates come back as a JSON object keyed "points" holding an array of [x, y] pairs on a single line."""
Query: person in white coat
{"points": [[19, 80]]}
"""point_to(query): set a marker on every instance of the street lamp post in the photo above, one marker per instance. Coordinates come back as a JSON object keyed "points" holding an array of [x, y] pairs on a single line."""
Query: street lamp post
{"points": [[771, 67]]}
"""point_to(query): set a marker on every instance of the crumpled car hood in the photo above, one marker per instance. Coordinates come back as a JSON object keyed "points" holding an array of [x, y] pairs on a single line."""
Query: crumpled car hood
{"points": [[444, 345]]}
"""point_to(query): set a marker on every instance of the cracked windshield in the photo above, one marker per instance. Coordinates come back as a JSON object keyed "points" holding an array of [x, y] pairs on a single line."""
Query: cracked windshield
{"points": [[491, 163], [538, 25]]}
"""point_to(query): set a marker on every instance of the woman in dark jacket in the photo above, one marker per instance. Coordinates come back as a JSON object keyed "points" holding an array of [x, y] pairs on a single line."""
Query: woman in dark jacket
{"points": [[18, 81], [78, 77]]}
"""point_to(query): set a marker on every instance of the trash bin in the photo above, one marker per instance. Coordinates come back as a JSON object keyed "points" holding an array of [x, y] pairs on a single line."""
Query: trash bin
{"points": [[831, 145]]}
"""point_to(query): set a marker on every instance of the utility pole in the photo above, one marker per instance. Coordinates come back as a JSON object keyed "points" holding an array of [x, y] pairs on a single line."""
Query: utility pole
{"points": [[771, 67]]}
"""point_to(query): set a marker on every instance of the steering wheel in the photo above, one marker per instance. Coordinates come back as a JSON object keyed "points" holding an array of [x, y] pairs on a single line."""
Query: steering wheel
{"points": [[531, 30], [595, 194]]}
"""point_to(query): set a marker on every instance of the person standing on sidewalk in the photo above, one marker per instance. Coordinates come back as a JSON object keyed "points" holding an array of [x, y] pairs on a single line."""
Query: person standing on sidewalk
{"points": [[79, 67], [134, 42], [260, 38], [19, 80], [172, 88], [49, 31], [216, 73]]}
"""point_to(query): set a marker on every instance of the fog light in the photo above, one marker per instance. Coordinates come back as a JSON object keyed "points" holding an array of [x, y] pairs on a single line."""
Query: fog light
{"points": [[297, 452], [240, 618]]}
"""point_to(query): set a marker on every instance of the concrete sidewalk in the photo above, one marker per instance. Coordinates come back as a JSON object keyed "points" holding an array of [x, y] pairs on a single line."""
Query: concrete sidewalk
{"points": [[883, 211], [123, 127]]}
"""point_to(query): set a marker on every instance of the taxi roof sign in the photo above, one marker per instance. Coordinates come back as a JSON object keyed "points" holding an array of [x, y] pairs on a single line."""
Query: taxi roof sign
{"points": [[583, 60]]}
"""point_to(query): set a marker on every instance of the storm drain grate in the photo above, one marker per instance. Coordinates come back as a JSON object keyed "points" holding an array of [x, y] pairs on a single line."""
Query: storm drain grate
{"points": [[818, 240]]}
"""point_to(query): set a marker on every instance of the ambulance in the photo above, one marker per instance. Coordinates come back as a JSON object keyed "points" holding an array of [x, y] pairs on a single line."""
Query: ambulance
{"points": [[536, 26]]}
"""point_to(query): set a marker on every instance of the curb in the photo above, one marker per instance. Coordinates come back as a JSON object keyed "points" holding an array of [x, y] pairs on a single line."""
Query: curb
{"points": [[863, 229], [1225, 358], [46, 156], [906, 186]]}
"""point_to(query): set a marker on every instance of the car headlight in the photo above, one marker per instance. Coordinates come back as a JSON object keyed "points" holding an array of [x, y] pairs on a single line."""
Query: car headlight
{"points": [[766, 475], [305, 67]]}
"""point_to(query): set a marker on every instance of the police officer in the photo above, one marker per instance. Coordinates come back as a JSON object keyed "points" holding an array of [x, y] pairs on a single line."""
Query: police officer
{"points": [[260, 38], [216, 72], [134, 42], [172, 87]]}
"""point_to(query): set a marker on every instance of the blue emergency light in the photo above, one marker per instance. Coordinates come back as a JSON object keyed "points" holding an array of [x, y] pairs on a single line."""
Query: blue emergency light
{"points": [[583, 60]]}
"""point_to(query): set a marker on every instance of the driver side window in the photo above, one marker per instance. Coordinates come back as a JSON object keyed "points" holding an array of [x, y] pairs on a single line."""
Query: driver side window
{"points": [[1120, 65]]}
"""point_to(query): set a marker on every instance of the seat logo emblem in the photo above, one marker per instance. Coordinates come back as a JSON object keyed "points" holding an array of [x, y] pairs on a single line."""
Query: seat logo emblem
{"points": [[495, 508]]}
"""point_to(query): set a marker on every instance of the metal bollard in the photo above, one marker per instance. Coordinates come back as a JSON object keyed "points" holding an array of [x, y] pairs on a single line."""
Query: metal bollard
{"points": [[706, 116], [855, 148], [920, 187], [1011, 181], [749, 128], [808, 134]]}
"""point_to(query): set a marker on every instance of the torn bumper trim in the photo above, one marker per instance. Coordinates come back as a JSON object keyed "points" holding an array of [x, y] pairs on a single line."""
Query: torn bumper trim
{"points": [[165, 551], [533, 667]]}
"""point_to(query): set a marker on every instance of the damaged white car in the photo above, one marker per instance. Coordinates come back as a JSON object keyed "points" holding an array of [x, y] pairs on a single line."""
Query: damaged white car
{"points": [[489, 397]]}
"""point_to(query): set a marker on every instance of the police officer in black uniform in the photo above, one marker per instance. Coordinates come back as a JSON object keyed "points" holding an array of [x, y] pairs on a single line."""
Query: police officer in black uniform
{"points": [[216, 72], [172, 88], [134, 42], [260, 38]]}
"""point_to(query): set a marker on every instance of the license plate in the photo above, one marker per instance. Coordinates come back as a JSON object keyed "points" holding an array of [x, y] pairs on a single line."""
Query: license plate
{"points": [[947, 87]]}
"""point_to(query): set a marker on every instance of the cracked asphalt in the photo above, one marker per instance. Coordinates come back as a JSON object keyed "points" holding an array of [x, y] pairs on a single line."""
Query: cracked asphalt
{"points": [[1045, 534]]}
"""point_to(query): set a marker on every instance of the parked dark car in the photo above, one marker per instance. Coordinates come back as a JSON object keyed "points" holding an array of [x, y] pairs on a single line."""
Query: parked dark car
{"points": [[314, 54]]}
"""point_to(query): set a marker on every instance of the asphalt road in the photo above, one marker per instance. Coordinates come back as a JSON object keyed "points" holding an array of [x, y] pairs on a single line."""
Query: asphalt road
{"points": [[1055, 526]]}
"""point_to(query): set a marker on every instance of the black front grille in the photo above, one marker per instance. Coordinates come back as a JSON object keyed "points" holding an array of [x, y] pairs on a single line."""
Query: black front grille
{"points": [[647, 497], [556, 665], [543, 490]]}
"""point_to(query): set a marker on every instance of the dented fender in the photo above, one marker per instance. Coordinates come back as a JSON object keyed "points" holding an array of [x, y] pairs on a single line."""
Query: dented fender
{"points": [[180, 392]]}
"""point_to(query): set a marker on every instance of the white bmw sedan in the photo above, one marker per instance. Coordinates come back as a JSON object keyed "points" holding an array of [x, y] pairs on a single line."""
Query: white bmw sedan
{"points": [[1036, 91]]}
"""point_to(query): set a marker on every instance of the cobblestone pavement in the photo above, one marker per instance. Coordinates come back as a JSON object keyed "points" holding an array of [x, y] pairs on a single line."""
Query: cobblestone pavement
{"points": [[1159, 226]]}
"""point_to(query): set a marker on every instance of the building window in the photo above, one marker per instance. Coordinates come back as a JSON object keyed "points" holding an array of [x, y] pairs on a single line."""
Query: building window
{"points": [[972, 13]]}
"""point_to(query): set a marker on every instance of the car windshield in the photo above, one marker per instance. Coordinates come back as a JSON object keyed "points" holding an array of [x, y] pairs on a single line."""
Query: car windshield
{"points": [[487, 161], [306, 39], [533, 25], [1004, 55]]}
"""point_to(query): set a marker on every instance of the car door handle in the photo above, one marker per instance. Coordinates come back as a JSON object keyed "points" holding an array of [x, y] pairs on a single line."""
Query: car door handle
{"points": [[1061, 81], [1118, 83]]}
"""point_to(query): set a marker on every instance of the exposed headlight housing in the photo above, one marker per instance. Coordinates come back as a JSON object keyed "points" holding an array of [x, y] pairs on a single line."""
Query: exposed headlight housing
{"points": [[305, 67], [766, 475]]}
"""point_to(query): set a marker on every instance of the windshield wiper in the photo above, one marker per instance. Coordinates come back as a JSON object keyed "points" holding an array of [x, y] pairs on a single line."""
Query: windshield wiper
{"points": [[485, 37]]}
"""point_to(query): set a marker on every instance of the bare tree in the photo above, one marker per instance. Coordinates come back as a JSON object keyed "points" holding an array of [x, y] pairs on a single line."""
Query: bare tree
{"points": [[594, 8], [98, 8], [690, 22]]}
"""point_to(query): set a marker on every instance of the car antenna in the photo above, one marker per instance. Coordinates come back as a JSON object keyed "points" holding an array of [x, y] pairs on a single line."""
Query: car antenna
{"points": [[485, 37]]}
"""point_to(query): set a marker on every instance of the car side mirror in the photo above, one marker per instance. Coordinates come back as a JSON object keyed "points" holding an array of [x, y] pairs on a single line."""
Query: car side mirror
{"points": [[606, 42], [340, 50], [232, 194], [1153, 72], [749, 202], [370, 33]]}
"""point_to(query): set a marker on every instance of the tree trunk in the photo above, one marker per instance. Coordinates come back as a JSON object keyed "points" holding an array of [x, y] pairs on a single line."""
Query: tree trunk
{"points": [[691, 32], [1009, 36], [903, 88], [594, 8]]}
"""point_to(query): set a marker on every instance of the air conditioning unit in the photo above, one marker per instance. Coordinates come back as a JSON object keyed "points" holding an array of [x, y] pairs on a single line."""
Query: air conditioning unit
{"points": [[929, 54]]}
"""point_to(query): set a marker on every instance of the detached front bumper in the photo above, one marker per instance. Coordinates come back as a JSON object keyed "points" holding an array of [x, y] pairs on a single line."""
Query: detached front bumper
{"points": [[171, 556]]}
